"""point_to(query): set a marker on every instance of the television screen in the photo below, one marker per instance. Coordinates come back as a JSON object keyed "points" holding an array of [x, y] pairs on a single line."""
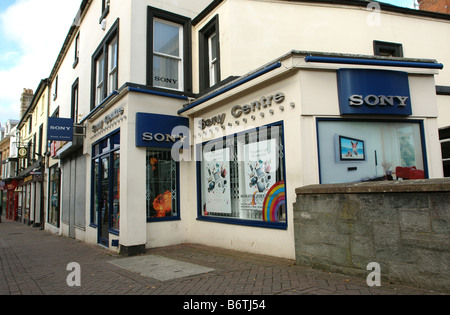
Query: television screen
{"points": [[351, 149]]}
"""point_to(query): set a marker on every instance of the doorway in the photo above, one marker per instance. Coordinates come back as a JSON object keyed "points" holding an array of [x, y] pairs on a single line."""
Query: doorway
{"points": [[106, 187]]}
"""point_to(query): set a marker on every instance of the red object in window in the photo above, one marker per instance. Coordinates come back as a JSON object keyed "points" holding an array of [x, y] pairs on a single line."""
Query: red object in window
{"points": [[416, 174], [409, 172]]}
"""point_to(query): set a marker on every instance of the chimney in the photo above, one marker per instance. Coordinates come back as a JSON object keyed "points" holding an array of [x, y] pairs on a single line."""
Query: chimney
{"points": [[25, 101], [439, 6]]}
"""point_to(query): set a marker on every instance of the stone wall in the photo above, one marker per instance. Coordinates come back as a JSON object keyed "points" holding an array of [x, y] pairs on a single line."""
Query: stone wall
{"points": [[402, 225]]}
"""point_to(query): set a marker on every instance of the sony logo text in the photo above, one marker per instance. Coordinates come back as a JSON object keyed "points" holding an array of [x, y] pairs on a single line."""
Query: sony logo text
{"points": [[59, 128], [378, 100]]}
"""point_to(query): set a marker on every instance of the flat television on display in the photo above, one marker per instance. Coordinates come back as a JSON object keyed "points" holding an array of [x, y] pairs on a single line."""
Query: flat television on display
{"points": [[351, 149]]}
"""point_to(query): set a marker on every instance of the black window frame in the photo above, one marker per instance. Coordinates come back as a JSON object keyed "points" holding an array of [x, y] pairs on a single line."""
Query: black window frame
{"points": [[155, 13], [75, 101], [77, 51], [103, 50], [105, 10], [392, 49], [30, 123], [55, 88], [40, 139], [203, 38]]}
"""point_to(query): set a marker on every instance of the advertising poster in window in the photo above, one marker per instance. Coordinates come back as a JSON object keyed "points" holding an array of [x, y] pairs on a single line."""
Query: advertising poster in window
{"points": [[216, 169], [161, 184], [260, 163]]}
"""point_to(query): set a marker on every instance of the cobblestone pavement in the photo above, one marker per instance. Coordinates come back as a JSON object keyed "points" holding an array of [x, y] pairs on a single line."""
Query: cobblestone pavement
{"points": [[34, 262]]}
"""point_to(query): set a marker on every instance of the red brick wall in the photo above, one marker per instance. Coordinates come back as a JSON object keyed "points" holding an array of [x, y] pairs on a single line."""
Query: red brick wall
{"points": [[440, 6]]}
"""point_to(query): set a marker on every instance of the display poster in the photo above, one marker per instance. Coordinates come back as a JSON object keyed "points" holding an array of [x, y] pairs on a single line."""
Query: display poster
{"points": [[260, 163], [216, 170]]}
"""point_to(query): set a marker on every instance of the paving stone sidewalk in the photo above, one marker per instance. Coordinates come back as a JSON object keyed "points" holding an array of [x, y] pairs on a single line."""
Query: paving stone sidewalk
{"points": [[34, 262]]}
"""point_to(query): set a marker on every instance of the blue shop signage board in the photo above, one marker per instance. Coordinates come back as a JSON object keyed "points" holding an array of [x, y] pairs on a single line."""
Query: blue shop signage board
{"points": [[373, 92], [161, 131], [60, 129]]}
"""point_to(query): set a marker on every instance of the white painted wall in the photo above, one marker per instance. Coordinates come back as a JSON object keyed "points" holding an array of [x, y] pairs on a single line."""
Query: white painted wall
{"points": [[314, 93], [254, 32]]}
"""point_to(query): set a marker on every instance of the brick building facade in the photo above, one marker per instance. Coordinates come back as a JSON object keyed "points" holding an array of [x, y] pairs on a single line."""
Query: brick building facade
{"points": [[439, 6]]}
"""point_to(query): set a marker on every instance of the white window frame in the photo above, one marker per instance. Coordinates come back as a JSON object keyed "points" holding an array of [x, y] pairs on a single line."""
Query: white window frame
{"points": [[99, 80], [179, 58], [113, 61], [212, 61]]}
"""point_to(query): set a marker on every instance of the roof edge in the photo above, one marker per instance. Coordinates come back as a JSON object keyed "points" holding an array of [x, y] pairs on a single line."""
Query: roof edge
{"points": [[356, 3]]}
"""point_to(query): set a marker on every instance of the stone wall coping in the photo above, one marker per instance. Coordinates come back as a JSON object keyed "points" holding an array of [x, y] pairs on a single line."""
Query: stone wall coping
{"points": [[397, 186]]}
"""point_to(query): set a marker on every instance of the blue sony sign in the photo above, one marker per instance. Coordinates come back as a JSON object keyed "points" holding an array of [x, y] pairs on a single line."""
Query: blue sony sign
{"points": [[373, 92], [162, 131], [60, 129]]}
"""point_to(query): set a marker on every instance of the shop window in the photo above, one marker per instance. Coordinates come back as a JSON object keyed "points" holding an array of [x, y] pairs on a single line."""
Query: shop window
{"points": [[161, 185], [242, 178], [168, 45], [115, 211], [444, 138], [105, 206], [357, 151], [105, 67], [387, 49], [209, 54], [54, 199]]}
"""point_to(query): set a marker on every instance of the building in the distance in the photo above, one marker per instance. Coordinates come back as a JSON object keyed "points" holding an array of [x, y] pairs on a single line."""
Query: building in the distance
{"points": [[439, 6]]}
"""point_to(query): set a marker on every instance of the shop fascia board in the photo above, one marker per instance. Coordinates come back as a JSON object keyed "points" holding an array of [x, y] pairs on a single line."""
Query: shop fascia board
{"points": [[240, 85], [295, 60], [119, 94]]}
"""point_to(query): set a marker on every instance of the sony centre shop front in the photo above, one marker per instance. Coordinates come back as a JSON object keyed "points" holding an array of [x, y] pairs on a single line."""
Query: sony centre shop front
{"points": [[302, 120], [223, 169]]}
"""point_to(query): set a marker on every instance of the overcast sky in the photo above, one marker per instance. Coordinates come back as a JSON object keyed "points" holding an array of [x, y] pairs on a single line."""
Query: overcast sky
{"points": [[31, 36]]}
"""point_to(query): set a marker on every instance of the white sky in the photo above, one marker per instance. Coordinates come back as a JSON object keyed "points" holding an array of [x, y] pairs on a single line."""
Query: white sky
{"points": [[31, 36], [32, 33]]}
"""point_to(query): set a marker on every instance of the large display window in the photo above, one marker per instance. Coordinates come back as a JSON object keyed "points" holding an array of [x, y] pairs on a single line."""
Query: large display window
{"points": [[241, 178], [357, 151]]}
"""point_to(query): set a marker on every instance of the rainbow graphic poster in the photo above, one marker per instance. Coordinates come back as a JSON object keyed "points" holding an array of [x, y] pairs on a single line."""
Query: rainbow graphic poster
{"points": [[274, 202]]}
